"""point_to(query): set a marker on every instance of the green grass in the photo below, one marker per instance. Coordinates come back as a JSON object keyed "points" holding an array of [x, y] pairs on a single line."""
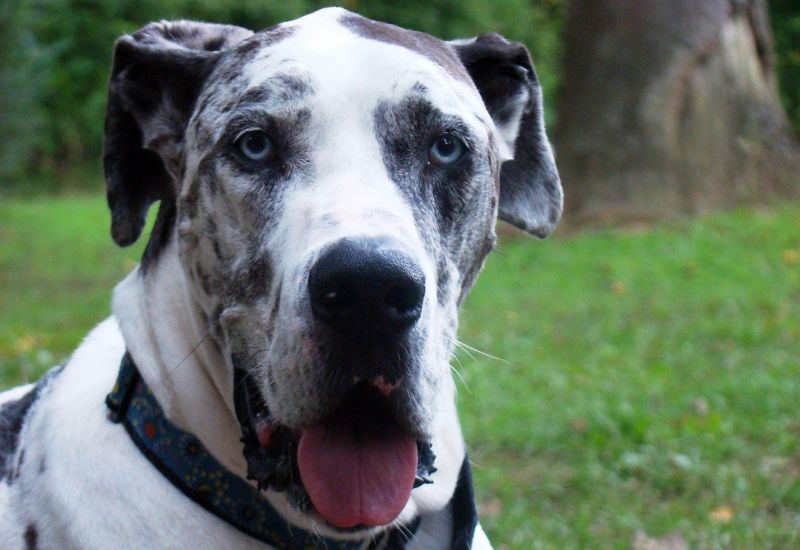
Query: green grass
{"points": [[58, 266], [648, 380]]}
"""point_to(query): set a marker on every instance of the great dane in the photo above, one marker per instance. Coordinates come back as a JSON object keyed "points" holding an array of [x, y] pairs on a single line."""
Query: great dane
{"points": [[276, 372]]}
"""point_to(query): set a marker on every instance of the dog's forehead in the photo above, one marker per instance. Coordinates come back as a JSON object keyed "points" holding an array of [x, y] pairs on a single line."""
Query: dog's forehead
{"points": [[339, 53]]}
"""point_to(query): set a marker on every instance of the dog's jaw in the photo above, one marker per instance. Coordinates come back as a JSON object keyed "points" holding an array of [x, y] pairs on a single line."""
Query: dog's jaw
{"points": [[186, 369]]}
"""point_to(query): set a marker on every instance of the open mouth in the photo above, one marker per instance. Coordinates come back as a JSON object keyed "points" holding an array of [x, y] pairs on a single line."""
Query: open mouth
{"points": [[356, 468]]}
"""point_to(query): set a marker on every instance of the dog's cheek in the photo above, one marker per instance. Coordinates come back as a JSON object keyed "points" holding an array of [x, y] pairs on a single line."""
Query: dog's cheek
{"points": [[473, 237], [202, 268], [295, 387]]}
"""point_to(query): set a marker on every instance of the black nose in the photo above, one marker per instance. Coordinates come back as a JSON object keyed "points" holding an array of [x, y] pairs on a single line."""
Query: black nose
{"points": [[365, 287]]}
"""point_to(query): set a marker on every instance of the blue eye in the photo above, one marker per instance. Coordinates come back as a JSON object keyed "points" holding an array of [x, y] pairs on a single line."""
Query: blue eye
{"points": [[255, 145], [447, 149]]}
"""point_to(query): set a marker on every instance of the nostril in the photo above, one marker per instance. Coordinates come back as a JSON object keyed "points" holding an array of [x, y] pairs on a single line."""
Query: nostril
{"points": [[404, 301], [332, 301]]}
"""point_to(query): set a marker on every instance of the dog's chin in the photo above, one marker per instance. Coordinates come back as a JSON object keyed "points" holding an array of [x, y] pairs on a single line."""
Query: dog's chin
{"points": [[355, 468]]}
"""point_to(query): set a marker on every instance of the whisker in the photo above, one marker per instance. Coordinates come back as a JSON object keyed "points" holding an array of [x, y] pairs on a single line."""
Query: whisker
{"points": [[467, 347], [191, 352], [460, 377], [460, 347], [406, 532]]}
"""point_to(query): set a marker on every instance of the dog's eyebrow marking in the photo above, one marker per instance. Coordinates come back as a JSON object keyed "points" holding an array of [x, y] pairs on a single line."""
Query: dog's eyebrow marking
{"points": [[291, 86], [426, 45], [281, 88], [419, 88]]}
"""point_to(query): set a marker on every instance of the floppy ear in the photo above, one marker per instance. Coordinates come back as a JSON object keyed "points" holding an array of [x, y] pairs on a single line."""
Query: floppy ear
{"points": [[530, 190], [156, 76]]}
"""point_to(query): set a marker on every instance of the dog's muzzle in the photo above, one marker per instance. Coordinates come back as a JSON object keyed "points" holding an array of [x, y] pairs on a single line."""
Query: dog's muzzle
{"points": [[358, 463]]}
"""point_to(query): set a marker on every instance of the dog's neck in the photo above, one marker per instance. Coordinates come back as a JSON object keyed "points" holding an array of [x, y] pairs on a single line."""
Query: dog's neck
{"points": [[165, 332]]}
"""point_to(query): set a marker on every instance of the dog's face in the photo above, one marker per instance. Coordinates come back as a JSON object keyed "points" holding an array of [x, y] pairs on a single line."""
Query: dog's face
{"points": [[333, 185]]}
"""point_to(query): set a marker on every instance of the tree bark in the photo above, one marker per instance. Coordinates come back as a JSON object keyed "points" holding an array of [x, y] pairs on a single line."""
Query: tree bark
{"points": [[670, 108]]}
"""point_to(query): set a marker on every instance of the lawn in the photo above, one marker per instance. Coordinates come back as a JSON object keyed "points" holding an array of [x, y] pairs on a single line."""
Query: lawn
{"points": [[644, 382]]}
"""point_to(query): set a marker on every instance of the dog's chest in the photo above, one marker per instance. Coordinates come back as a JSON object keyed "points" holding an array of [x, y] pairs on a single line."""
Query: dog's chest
{"points": [[81, 483]]}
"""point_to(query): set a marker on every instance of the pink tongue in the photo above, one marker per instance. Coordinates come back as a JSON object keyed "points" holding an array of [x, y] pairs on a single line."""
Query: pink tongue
{"points": [[356, 469]]}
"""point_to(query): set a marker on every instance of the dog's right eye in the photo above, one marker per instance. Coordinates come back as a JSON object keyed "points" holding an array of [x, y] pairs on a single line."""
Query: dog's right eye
{"points": [[446, 150], [255, 145]]}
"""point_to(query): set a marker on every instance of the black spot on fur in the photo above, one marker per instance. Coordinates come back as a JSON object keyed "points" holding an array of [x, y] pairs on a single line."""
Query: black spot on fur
{"points": [[465, 513], [419, 88], [12, 418], [206, 281], [13, 415], [16, 469], [31, 537], [214, 44], [256, 95], [203, 105], [211, 227], [291, 87], [442, 281], [253, 278], [217, 250], [471, 269]]}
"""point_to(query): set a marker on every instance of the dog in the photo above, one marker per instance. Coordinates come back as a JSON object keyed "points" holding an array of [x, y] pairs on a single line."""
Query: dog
{"points": [[276, 371]]}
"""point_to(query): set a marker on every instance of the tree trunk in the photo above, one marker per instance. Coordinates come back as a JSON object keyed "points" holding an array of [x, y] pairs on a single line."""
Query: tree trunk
{"points": [[670, 108]]}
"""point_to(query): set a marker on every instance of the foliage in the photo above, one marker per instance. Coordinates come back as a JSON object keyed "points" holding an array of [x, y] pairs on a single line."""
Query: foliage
{"points": [[786, 24], [19, 113], [56, 55], [647, 380]]}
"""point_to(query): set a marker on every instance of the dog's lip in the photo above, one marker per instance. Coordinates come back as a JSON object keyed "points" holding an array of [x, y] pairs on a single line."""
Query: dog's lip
{"points": [[270, 433], [271, 464], [271, 449]]}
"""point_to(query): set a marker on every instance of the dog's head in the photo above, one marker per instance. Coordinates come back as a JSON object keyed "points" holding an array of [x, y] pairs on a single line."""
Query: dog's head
{"points": [[333, 185]]}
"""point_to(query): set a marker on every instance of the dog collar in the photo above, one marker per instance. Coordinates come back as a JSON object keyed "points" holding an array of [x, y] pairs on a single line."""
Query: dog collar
{"points": [[187, 464]]}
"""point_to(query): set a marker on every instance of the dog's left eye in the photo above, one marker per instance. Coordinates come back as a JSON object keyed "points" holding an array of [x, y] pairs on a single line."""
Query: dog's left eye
{"points": [[255, 145], [447, 149]]}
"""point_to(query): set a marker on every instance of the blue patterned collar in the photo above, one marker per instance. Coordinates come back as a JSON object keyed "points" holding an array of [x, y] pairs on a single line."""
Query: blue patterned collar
{"points": [[186, 463]]}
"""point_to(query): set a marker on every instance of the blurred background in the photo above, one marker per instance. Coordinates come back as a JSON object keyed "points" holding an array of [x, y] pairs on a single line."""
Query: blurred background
{"points": [[631, 382]]}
